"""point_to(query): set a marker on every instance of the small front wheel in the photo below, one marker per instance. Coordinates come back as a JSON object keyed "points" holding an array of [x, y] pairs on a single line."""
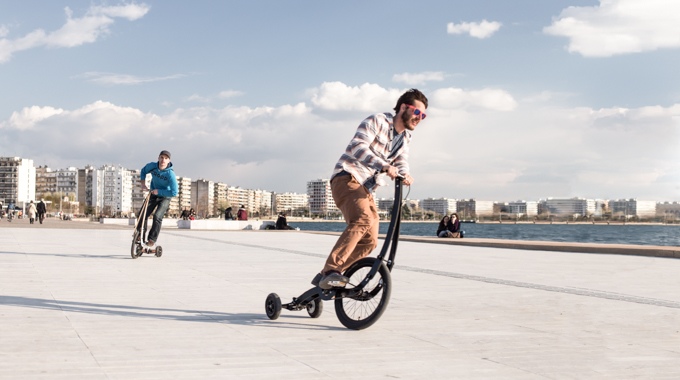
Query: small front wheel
{"points": [[159, 251], [272, 306], [315, 308], [365, 309]]}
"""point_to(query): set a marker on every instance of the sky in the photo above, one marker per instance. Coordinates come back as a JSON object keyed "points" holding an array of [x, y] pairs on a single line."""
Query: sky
{"points": [[528, 99]]}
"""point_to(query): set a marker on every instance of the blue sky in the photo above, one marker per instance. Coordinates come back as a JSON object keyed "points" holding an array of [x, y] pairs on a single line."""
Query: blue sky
{"points": [[528, 99]]}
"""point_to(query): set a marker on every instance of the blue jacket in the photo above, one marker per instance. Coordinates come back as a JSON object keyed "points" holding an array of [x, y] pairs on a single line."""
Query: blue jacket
{"points": [[162, 180]]}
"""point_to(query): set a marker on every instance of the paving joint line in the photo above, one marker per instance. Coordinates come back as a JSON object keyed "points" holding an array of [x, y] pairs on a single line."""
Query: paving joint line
{"points": [[489, 280]]}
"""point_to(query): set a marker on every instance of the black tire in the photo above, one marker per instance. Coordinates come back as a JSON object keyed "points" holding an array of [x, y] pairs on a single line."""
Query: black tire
{"points": [[315, 308], [134, 251], [358, 313], [272, 306], [159, 251]]}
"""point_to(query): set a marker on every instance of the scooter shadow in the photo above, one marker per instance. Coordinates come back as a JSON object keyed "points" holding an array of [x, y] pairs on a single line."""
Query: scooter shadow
{"points": [[158, 313]]}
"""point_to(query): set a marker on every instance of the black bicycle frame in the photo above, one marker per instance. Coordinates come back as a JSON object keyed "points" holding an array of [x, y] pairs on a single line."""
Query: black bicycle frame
{"points": [[391, 240]]}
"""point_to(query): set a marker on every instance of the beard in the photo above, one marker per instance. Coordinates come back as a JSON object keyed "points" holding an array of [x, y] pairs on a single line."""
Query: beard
{"points": [[408, 121]]}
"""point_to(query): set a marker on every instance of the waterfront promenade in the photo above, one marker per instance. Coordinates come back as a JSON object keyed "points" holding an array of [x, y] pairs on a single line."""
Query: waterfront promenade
{"points": [[74, 305]]}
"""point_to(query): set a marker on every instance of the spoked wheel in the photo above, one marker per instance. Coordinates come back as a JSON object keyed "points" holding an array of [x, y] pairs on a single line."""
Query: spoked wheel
{"points": [[365, 309], [272, 306], [159, 251], [315, 308]]}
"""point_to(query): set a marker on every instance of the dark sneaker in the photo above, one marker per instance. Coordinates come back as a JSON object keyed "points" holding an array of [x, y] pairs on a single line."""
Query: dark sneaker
{"points": [[333, 280], [150, 243]]}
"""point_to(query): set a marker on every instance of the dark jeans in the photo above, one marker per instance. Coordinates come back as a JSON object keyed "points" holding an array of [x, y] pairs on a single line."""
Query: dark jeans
{"points": [[160, 205]]}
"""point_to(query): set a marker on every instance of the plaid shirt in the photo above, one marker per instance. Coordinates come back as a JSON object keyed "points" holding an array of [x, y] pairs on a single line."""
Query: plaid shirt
{"points": [[375, 145]]}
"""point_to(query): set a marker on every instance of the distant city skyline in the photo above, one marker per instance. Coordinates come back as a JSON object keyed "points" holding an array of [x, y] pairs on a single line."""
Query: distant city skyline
{"points": [[528, 99], [386, 191]]}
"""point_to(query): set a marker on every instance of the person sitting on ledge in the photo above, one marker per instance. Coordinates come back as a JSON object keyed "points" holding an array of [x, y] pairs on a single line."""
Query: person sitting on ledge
{"points": [[442, 229], [282, 222]]}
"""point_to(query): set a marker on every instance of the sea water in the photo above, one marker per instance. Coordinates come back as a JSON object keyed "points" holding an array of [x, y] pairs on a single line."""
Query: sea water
{"points": [[640, 234]]}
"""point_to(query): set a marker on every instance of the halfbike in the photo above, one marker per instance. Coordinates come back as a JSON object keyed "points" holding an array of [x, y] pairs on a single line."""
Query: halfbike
{"points": [[139, 237], [363, 300]]}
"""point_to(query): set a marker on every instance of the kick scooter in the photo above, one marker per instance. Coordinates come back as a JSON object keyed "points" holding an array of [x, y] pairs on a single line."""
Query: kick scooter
{"points": [[361, 303], [139, 238]]}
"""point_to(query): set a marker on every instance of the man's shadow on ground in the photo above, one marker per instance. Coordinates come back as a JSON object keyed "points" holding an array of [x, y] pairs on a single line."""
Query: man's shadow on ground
{"points": [[158, 313]]}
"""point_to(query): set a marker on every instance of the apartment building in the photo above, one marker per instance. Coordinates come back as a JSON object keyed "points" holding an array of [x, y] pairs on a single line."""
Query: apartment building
{"points": [[183, 196], [568, 206], [17, 181], [668, 210], [203, 197], [292, 203], [45, 181], [320, 197], [84, 189], [528, 208], [221, 199], [441, 206], [472, 208], [67, 182], [261, 201], [113, 187], [237, 197], [633, 207]]}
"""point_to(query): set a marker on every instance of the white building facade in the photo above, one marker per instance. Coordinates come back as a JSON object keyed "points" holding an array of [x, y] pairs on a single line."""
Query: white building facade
{"points": [[320, 197], [442, 206], [292, 203], [17, 181]]}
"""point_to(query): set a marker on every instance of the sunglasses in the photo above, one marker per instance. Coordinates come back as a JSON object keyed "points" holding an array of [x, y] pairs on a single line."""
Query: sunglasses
{"points": [[417, 112]]}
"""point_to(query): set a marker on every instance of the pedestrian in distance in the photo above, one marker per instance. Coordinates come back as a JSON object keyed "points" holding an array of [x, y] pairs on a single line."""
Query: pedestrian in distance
{"points": [[31, 210], [42, 210], [379, 148], [163, 187]]}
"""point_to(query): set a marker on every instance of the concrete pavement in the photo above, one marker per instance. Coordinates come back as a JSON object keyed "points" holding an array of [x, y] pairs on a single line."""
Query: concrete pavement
{"points": [[74, 305]]}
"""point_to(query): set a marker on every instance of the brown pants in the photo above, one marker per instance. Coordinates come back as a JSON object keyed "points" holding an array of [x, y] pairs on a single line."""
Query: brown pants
{"points": [[361, 234]]}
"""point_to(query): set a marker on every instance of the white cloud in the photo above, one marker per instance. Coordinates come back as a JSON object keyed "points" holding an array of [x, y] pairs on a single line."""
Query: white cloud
{"points": [[415, 79], [487, 98], [124, 79], [75, 32], [619, 27], [481, 30], [3, 31], [478, 143], [229, 94], [28, 117], [337, 96], [198, 98]]}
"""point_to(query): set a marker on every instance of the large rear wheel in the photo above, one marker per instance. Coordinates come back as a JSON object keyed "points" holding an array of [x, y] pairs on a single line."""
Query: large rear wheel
{"points": [[134, 251], [363, 310]]}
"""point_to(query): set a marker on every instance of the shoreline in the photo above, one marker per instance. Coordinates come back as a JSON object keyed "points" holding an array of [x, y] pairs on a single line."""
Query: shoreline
{"points": [[600, 223]]}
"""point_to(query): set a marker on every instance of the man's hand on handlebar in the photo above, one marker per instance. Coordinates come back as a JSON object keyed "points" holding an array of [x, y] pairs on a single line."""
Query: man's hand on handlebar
{"points": [[393, 173]]}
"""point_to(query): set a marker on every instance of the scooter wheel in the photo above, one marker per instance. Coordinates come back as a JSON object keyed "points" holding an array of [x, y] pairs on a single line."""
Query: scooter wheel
{"points": [[272, 306], [135, 250], [159, 251], [315, 308]]}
